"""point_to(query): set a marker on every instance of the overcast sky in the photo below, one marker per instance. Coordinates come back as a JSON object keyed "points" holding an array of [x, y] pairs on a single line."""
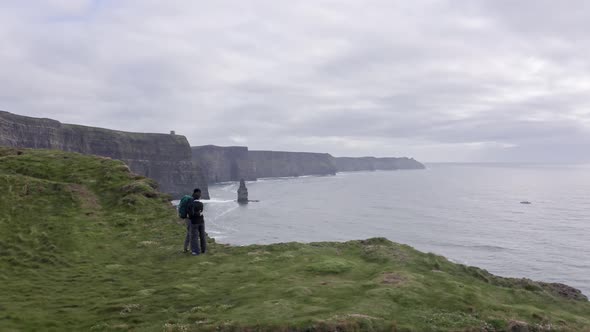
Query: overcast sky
{"points": [[497, 80]]}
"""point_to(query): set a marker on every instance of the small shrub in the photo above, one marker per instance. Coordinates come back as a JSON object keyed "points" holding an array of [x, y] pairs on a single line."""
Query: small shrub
{"points": [[497, 324]]}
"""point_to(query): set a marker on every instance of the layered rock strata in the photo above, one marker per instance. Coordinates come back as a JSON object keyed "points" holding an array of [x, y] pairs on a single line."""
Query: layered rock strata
{"points": [[286, 164], [224, 164], [234, 163], [162, 157]]}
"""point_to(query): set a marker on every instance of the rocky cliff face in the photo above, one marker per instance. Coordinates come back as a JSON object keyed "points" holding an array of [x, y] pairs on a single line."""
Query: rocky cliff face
{"points": [[282, 164], [164, 158], [224, 163], [234, 163], [347, 164]]}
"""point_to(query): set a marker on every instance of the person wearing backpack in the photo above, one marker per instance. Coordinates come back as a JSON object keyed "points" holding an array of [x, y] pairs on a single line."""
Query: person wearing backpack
{"points": [[182, 213], [194, 211]]}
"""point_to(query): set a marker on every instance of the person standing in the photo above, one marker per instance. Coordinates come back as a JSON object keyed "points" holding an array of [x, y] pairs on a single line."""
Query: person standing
{"points": [[197, 227], [183, 214]]}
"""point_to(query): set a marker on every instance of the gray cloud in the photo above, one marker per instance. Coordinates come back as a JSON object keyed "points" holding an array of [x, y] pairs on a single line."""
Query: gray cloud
{"points": [[438, 80]]}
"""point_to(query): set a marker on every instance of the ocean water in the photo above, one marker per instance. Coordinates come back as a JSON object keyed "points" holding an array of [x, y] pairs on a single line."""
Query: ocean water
{"points": [[470, 214]]}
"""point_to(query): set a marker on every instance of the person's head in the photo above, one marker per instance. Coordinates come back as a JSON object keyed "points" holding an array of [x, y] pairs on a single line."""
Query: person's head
{"points": [[197, 193]]}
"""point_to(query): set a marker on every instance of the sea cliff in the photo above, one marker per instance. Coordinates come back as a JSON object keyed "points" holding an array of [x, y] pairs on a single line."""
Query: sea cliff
{"points": [[169, 159], [162, 157], [348, 164], [238, 162], [283, 164], [223, 164], [234, 163]]}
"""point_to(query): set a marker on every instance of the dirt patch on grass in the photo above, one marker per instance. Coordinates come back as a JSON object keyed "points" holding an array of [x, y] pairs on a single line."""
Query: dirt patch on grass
{"points": [[87, 198], [391, 278], [10, 152], [147, 244], [258, 253], [362, 316]]}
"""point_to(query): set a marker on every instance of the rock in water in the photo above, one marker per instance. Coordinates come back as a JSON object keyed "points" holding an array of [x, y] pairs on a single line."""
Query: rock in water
{"points": [[242, 192]]}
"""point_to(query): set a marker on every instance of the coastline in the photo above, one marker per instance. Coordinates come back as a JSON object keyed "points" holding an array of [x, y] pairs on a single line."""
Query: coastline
{"points": [[110, 228]]}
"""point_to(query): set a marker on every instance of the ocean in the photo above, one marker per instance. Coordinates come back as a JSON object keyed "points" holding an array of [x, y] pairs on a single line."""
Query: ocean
{"points": [[471, 214]]}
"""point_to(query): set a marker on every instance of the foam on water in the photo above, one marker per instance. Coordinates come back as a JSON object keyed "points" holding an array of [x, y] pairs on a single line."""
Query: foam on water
{"points": [[218, 201], [208, 201]]}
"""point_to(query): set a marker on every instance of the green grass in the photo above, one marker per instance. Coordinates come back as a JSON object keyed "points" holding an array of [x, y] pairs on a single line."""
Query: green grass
{"points": [[87, 245]]}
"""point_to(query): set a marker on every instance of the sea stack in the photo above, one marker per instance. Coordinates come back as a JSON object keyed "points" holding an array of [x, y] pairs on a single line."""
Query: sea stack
{"points": [[242, 192]]}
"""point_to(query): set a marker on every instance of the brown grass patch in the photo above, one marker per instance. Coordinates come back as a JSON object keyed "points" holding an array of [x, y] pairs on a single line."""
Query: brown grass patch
{"points": [[87, 198], [391, 278]]}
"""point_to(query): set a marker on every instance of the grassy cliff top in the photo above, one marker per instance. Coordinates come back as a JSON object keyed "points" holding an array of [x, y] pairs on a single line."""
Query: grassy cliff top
{"points": [[87, 245], [23, 120]]}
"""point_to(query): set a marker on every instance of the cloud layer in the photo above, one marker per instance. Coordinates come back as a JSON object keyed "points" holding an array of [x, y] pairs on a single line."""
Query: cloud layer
{"points": [[438, 80]]}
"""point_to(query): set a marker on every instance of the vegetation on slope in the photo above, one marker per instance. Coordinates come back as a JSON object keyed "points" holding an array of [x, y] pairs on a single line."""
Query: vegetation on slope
{"points": [[87, 245]]}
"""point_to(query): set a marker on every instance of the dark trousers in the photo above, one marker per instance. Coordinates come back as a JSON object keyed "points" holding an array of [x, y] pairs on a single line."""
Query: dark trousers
{"points": [[198, 234], [187, 239]]}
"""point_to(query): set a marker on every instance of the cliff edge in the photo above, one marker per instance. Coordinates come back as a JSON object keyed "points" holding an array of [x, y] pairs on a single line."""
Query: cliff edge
{"points": [[162, 157]]}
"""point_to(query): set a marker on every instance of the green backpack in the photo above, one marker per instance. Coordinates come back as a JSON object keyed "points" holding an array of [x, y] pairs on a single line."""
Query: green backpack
{"points": [[182, 213]]}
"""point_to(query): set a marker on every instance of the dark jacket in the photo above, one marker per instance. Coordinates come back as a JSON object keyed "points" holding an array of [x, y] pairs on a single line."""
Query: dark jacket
{"points": [[195, 212]]}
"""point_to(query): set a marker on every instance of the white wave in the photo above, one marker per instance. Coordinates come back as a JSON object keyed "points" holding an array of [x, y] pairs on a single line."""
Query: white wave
{"points": [[207, 201], [231, 187], [225, 212], [217, 201]]}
